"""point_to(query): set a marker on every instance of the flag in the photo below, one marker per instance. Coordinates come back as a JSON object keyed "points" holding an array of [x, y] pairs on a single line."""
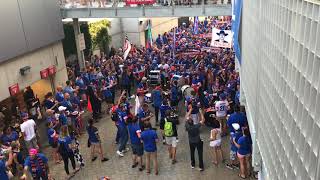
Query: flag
{"points": [[196, 25], [89, 107], [149, 36], [174, 43], [137, 106], [126, 48], [221, 38]]}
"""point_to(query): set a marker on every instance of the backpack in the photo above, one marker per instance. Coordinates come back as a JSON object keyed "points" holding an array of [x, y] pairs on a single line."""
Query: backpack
{"points": [[168, 128]]}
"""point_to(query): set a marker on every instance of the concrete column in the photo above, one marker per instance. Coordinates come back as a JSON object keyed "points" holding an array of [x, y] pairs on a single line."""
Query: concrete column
{"points": [[123, 32], [76, 29]]}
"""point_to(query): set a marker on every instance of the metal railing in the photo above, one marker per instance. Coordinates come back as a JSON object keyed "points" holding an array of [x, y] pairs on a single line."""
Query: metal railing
{"points": [[70, 4]]}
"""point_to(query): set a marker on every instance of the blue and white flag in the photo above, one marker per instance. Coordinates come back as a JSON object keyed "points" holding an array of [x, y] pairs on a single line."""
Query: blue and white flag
{"points": [[196, 25]]}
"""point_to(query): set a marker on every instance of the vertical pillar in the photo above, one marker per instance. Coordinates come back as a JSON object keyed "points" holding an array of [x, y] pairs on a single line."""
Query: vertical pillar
{"points": [[76, 29]]}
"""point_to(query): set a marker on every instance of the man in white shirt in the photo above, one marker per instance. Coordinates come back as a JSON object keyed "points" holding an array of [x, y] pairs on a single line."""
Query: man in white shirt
{"points": [[28, 129], [222, 108]]}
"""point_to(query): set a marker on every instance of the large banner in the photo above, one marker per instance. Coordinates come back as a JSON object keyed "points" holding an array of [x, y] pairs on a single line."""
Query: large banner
{"points": [[128, 2], [221, 38], [236, 18]]}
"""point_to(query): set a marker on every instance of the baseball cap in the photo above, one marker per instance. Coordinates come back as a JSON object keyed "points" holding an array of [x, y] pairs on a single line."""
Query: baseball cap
{"points": [[62, 108], [235, 126]]}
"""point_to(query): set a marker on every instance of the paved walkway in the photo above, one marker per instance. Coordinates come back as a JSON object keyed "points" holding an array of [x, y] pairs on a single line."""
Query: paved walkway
{"points": [[120, 168]]}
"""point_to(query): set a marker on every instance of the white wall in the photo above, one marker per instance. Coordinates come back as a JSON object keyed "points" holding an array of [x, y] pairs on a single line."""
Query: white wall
{"points": [[280, 78], [37, 60]]}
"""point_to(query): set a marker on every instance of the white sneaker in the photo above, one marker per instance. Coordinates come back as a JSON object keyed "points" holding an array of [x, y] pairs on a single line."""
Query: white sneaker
{"points": [[120, 153], [125, 150]]}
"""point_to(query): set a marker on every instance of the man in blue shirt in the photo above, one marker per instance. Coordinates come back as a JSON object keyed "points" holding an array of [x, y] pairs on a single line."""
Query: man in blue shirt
{"points": [[136, 145], [157, 99], [122, 128], [67, 103], [37, 164], [149, 138], [59, 95]]}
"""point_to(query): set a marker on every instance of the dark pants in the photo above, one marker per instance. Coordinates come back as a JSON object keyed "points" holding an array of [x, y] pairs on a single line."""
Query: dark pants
{"points": [[66, 158], [123, 138], [128, 89], [42, 177], [118, 134], [156, 112], [199, 147]]}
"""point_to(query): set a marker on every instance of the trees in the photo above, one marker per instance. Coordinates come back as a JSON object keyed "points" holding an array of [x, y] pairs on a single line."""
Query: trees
{"points": [[100, 35]]}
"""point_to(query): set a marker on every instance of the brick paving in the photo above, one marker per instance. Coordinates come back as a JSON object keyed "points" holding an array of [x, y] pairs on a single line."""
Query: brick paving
{"points": [[120, 168]]}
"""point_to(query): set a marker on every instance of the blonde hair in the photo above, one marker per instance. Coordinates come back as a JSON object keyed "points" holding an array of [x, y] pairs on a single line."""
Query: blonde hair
{"points": [[64, 131]]}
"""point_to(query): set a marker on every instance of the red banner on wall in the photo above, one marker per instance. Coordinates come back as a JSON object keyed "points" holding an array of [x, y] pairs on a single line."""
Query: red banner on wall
{"points": [[128, 2], [44, 73], [52, 70], [14, 89]]}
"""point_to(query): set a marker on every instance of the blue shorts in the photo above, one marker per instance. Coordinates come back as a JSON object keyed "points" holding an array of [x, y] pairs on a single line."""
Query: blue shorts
{"points": [[137, 149]]}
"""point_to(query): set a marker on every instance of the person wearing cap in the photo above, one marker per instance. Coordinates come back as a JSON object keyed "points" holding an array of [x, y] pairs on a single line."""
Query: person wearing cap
{"points": [[28, 130], [63, 115], [234, 136], [157, 100], [221, 107], [195, 141], [37, 165]]}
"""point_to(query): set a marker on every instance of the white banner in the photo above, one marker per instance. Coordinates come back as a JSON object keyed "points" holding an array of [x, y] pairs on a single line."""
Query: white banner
{"points": [[221, 38]]}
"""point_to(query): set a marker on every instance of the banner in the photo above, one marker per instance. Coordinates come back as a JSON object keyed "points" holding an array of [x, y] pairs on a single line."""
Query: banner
{"points": [[129, 2], [221, 38], [211, 49]]}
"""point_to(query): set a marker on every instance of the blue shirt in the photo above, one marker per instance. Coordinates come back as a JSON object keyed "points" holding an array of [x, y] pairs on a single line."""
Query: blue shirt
{"points": [[163, 109], [133, 128], [93, 134], [69, 90], [63, 119], [68, 105], [3, 172], [174, 93], [235, 136], [9, 138], [245, 145], [50, 132], [59, 96], [156, 97], [39, 169], [149, 137], [239, 118], [65, 142], [121, 122]]}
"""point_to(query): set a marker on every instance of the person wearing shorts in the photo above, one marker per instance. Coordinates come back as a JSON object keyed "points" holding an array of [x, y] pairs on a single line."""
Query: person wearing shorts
{"points": [[171, 140], [215, 144], [28, 129], [136, 145], [244, 145], [236, 134]]}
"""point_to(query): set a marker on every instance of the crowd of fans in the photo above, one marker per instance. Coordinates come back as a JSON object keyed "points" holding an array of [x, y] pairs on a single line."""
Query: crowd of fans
{"points": [[212, 100]]}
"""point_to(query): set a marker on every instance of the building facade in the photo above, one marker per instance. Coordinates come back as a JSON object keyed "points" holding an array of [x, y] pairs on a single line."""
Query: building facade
{"points": [[280, 81], [31, 52]]}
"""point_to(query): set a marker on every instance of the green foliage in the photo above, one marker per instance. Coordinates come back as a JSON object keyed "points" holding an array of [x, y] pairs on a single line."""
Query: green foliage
{"points": [[100, 35]]}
